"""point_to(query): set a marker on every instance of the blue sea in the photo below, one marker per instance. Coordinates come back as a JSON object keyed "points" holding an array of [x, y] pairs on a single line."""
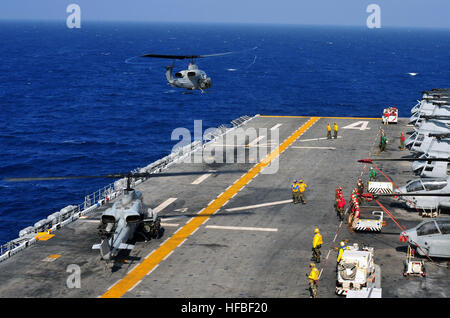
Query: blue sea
{"points": [[76, 102]]}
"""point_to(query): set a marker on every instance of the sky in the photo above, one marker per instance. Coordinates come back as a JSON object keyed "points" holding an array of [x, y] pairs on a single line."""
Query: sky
{"points": [[397, 13]]}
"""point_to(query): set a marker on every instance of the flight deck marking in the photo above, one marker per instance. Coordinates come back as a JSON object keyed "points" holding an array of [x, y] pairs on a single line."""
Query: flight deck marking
{"points": [[163, 205], [172, 242], [242, 228], [360, 125], [202, 178], [276, 126], [51, 258], [360, 118], [258, 205], [326, 148], [135, 285], [170, 224], [315, 139], [255, 141], [43, 236]]}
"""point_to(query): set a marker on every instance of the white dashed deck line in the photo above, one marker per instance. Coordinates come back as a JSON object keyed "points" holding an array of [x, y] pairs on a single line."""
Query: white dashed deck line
{"points": [[201, 178], [242, 228], [258, 205], [327, 148], [163, 205], [170, 224], [315, 139]]}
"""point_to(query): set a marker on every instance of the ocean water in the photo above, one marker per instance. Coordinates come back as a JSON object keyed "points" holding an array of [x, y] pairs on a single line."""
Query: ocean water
{"points": [[70, 104]]}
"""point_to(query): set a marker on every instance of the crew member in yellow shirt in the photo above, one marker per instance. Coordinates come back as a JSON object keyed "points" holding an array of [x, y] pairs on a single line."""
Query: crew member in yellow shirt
{"points": [[301, 189], [317, 244], [313, 279], [328, 131], [335, 129], [295, 187]]}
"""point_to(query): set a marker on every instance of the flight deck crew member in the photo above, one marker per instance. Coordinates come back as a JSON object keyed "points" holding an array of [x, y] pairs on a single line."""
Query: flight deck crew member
{"points": [[360, 186], [313, 279], [341, 251], [295, 192], [372, 174], [335, 128], [317, 244], [386, 117], [337, 196], [383, 142], [340, 206], [402, 141], [301, 191], [328, 131]]}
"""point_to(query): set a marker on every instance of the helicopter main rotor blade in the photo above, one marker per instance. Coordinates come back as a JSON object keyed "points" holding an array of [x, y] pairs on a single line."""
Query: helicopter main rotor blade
{"points": [[182, 57], [51, 178], [173, 57], [411, 194], [121, 175], [404, 159]]}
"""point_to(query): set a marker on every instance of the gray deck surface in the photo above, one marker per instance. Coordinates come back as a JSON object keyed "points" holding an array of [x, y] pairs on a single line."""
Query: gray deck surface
{"points": [[262, 262]]}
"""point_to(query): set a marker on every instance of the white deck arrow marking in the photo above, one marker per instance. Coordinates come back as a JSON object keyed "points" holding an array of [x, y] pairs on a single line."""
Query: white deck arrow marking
{"points": [[242, 228], [163, 205], [258, 205]]}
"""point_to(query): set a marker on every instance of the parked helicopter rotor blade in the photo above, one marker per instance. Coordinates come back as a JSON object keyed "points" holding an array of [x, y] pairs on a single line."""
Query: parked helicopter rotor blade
{"points": [[369, 160], [121, 175], [411, 194], [51, 178]]}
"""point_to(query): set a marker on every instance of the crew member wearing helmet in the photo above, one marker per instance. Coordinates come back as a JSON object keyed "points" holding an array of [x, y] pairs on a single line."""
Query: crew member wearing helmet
{"points": [[317, 244], [335, 129], [313, 279], [302, 188], [341, 251], [295, 187], [372, 174]]}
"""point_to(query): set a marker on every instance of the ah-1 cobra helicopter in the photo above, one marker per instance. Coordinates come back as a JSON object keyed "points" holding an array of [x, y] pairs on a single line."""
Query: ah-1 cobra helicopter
{"points": [[127, 217], [191, 79]]}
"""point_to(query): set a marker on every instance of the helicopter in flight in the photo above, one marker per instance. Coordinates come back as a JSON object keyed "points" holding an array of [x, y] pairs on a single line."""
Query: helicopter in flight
{"points": [[192, 78]]}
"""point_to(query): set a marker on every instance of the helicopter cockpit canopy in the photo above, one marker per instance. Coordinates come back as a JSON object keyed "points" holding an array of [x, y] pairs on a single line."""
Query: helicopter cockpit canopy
{"points": [[428, 185]]}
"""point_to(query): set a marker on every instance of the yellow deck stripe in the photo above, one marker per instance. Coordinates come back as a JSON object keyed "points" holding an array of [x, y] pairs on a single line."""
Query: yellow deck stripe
{"points": [[139, 272], [275, 116]]}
